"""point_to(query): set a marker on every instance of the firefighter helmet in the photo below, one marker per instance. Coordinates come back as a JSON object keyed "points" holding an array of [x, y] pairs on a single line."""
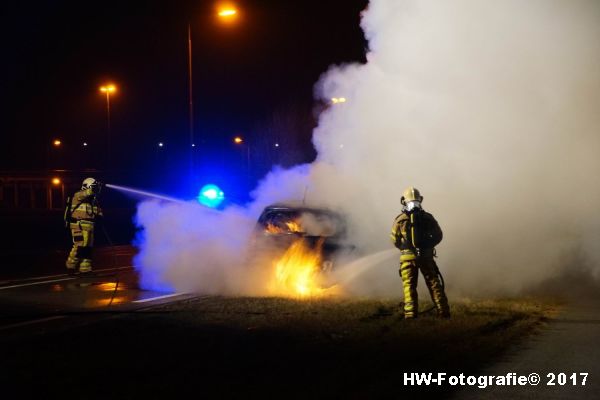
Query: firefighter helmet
{"points": [[411, 194], [89, 183]]}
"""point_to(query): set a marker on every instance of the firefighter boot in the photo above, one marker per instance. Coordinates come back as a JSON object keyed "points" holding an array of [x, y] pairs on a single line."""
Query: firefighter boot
{"points": [[85, 266]]}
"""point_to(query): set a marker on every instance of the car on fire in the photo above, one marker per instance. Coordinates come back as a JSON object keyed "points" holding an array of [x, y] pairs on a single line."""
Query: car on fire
{"points": [[321, 230]]}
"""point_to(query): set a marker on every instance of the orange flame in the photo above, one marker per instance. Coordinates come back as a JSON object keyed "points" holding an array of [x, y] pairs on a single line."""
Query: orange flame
{"points": [[272, 228], [292, 226], [298, 272]]}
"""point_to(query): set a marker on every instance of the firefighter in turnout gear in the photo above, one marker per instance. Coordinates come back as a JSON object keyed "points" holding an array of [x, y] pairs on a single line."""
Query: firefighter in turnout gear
{"points": [[81, 214], [416, 233]]}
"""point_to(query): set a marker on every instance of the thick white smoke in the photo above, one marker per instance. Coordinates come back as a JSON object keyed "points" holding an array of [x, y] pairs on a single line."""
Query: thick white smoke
{"points": [[490, 108]]}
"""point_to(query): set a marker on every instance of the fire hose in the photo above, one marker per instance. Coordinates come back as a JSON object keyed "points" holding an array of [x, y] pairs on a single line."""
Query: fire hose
{"points": [[443, 285]]}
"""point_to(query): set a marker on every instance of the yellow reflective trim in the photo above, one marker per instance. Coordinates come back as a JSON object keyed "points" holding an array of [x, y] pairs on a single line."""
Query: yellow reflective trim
{"points": [[407, 257]]}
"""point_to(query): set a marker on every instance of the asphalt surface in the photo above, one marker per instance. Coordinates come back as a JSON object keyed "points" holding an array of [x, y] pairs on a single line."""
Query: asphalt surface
{"points": [[569, 346], [56, 300]]}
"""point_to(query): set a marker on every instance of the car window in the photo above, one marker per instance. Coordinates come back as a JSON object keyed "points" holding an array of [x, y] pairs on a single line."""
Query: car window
{"points": [[311, 223]]}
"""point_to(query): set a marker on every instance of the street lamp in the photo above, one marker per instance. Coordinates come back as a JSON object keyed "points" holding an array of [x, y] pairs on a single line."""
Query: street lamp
{"points": [[226, 12], [238, 140], [56, 143], [108, 89]]}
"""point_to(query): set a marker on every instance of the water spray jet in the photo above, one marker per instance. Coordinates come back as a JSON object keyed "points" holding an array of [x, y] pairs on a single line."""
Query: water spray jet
{"points": [[143, 193]]}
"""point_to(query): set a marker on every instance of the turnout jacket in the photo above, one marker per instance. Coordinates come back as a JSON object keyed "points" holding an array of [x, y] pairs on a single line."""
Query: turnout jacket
{"points": [[84, 206]]}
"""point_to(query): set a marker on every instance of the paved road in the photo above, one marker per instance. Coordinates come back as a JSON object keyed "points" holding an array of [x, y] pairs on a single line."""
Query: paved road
{"points": [[571, 344], [51, 301]]}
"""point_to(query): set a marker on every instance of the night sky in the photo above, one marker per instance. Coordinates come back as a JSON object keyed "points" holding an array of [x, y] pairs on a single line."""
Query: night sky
{"points": [[254, 78]]}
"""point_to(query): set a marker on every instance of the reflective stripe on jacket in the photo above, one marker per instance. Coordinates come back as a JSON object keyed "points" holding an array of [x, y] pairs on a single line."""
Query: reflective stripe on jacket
{"points": [[84, 206]]}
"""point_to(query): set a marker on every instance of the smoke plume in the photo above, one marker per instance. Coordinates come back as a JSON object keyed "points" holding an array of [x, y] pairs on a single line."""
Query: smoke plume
{"points": [[490, 108]]}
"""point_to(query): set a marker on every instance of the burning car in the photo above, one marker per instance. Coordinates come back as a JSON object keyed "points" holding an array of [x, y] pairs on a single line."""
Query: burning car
{"points": [[301, 245]]}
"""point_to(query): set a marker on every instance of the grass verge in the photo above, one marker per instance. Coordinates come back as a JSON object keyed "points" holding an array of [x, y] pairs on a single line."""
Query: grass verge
{"points": [[244, 347]]}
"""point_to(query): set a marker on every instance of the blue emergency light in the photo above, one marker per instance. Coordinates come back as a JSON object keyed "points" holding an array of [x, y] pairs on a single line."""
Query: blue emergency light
{"points": [[211, 196]]}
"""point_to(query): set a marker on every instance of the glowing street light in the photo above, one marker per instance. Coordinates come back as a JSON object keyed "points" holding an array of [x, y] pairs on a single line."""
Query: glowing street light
{"points": [[225, 13], [56, 181], [108, 89], [239, 141], [160, 144], [56, 143]]}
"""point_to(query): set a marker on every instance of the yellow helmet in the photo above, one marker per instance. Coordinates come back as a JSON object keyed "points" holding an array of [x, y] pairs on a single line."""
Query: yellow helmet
{"points": [[88, 183], [91, 185], [411, 194]]}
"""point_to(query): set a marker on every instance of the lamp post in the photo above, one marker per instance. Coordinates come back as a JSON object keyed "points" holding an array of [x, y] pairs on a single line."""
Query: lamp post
{"points": [[51, 155], [108, 90], [225, 13], [240, 141]]}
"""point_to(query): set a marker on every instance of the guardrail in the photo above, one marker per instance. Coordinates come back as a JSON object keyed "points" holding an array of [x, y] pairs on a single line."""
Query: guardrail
{"points": [[43, 190]]}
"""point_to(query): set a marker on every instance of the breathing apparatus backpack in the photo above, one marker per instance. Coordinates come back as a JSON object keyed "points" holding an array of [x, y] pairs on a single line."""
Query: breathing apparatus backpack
{"points": [[422, 231], [426, 230]]}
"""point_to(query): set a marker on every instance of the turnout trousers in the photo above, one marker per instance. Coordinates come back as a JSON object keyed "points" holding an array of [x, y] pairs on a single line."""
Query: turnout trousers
{"points": [[83, 242], [410, 266]]}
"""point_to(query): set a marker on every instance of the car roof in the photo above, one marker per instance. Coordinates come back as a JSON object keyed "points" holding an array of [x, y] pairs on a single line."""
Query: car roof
{"points": [[298, 208]]}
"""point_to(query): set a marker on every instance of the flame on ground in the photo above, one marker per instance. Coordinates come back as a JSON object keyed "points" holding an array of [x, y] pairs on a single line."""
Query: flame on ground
{"points": [[298, 272]]}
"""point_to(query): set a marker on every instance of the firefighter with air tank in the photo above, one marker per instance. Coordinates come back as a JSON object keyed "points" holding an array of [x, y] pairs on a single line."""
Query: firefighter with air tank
{"points": [[416, 233], [81, 214]]}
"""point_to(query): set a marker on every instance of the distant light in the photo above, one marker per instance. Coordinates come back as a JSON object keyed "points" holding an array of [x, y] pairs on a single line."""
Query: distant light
{"points": [[56, 181], [238, 140], [110, 88], [160, 144], [227, 12], [56, 143], [211, 196], [193, 144], [276, 144], [84, 144]]}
